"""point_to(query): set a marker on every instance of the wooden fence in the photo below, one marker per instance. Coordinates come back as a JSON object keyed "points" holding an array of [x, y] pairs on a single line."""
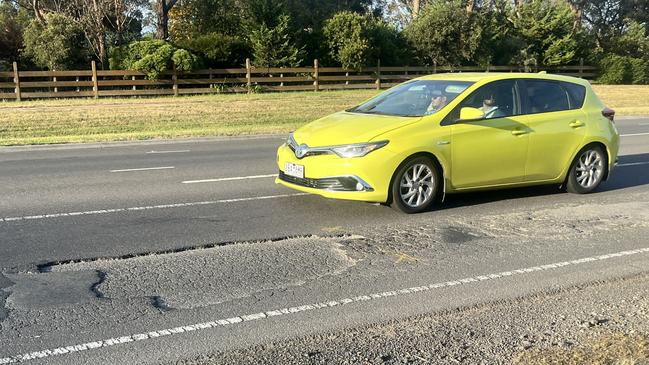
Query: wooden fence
{"points": [[19, 85]]}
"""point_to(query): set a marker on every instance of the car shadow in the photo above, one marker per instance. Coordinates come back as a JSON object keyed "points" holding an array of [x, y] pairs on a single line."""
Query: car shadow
{"points": [[626, 175]]}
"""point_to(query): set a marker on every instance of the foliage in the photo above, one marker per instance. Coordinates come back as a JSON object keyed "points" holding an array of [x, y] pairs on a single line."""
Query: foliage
{"points": [[53, 45], [445, 33], [273, 47], [218, 50], [191, 19], [548, 30], [499, 42], [12, 24], [356, 40], [616, 69], [152, 57], [346, 35]]}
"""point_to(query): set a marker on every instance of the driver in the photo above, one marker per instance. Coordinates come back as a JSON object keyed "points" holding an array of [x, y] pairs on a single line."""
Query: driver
{"points": [[437, 102], [490, 108]]}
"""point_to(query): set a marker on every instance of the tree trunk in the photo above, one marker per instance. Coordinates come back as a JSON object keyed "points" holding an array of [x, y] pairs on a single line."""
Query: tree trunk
{"points": [[162, 29], [162, 8], [416, 7]]}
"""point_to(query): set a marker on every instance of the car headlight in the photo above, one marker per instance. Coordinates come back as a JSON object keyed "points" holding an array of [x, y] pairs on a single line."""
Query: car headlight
{"points": [[357, 150]]}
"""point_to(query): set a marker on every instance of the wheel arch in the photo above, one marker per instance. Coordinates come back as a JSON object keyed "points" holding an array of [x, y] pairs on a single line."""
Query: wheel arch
{"points": [[436, 161], [597, 143]]}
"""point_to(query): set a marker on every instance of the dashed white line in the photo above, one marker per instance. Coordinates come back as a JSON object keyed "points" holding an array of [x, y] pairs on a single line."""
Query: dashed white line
{"points": [[66, 350], [149, 207], [634, 134], [161, 152], [145, 169], [632, 164], [228, 179]]}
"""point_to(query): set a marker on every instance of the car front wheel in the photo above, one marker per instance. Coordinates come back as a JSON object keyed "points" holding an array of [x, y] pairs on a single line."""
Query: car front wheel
{"points": [[587, 170], [415, 185]]}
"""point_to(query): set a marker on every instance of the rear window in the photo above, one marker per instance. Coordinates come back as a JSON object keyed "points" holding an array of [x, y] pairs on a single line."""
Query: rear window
{"points": [[544, 96], [576, 93]]}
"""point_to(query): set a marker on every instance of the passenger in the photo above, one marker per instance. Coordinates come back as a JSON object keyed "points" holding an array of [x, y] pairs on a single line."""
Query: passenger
{"points": [[490, 108], [437, 102]]}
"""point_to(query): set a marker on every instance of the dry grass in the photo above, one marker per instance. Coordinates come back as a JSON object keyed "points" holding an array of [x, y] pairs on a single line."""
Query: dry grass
{"points": [[64, 121], [89, 120], [616, 349], [626, 100]]}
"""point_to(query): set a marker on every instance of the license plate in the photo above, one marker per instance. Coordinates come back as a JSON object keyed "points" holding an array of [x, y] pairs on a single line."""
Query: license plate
{"points": [[294, 170]]}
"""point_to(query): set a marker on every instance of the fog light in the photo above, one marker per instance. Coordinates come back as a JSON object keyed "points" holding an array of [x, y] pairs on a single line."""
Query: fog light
{"points": [[359, 186]]}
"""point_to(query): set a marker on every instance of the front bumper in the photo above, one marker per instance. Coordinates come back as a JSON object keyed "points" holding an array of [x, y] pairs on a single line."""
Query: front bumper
{"points": [[363, 178]]}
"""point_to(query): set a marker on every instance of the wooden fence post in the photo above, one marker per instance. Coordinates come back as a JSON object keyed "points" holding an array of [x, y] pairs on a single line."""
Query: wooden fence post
{"points": [[95, 82], [581, 68], [316, 75], [17, 82], [174, 78], [434, 67], [378, 74], [248, 76]]}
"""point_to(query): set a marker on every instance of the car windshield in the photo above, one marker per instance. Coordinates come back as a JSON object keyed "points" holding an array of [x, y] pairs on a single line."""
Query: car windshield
{"points": [[414, 99]]}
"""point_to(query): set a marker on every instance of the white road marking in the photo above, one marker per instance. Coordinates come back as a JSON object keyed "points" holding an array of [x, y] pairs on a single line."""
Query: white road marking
{"points": [[66, 350], [150, 207], [633, 164], [228, 179], [634, 134], [643, 123], [145, 169], [176, 151]]}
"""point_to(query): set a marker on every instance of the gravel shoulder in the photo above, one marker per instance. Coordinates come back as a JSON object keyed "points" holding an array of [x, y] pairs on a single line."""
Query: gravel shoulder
{"points": [[598, 323]]}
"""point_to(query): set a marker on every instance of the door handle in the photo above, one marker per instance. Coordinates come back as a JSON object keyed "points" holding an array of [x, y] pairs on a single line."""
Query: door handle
{"points": [[518, 132], [576, 124]]}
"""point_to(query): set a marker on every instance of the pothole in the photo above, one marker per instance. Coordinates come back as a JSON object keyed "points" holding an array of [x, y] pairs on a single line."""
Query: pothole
{"points": [[208, 276]]}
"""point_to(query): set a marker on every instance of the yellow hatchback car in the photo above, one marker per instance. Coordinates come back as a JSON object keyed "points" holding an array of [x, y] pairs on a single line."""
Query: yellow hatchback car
{"points": [[448, 133]]}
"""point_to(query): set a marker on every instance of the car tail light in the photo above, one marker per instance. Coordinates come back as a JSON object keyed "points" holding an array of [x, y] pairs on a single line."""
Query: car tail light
{"points": [[609, 114]]}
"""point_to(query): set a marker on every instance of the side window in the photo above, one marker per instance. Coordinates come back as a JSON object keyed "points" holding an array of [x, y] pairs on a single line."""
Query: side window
{"points": [[496, 99], [546, 96], [576, 93]]}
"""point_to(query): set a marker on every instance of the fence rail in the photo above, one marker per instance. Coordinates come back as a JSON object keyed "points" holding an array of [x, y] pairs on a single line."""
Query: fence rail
{"points": [[19, 85]]}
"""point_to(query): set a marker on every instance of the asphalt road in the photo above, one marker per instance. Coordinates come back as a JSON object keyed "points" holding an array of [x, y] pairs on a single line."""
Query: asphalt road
{"points": [[98, 242]]}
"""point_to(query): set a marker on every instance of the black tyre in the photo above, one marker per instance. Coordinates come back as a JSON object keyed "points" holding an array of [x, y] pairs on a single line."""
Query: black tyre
{"points": [[587, 170], [415, 185]]}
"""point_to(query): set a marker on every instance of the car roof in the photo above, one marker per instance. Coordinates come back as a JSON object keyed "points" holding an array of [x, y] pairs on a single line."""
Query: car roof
{"points": [[493, 76]]}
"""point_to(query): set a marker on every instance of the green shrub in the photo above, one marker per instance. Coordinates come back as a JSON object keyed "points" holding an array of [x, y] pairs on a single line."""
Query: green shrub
{"points": [[273, 46], [54, 45], [445, 33], [616, 69], [218, 50], [152, 57]]}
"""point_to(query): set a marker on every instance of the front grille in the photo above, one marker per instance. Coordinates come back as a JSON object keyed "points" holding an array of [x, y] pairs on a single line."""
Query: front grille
{"points": [[330, 183]]}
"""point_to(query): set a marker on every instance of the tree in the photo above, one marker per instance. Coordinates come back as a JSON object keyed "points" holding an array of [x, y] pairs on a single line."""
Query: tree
{"points": [[162, 8], [272, 47], [53, 44], [549, 32], [356, 40], [190, 19], [445, 33], [12, 24]]}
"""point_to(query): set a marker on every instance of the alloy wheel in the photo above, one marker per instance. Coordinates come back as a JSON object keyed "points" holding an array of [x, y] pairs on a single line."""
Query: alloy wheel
{"points": [[417, 185], [589, 169]]}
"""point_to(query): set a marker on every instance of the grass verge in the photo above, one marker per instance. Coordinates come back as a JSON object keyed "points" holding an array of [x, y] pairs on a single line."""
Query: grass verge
{"points": [[89, 120], [610, 349]]}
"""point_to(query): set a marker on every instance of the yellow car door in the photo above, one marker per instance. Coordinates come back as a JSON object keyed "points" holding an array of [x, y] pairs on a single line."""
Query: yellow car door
{"points": [[493, 150], [558, 124]]}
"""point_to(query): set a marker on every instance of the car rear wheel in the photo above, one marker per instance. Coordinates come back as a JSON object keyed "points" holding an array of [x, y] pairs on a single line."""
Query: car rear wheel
{"points": [[587, 170], [415, 185]]}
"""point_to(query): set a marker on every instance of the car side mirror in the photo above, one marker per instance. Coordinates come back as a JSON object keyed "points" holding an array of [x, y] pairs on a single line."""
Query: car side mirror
{"points": [[468, 114]]}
